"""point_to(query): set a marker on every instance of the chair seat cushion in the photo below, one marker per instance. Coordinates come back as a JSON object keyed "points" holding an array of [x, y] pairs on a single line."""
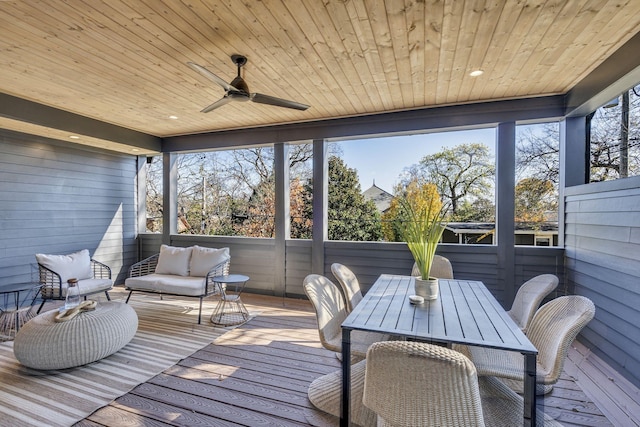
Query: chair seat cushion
{"points": [[167, 283], [92, 286]]}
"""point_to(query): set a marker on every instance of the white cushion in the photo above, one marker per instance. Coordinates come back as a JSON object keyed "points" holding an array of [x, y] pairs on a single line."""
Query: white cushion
{"points": [[91, 286], [173, 260], [73, 266], [170, 284], [204, 259]]}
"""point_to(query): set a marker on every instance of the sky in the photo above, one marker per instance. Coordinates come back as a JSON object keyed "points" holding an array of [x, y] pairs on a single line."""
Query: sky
{"points": [[383, 159]]}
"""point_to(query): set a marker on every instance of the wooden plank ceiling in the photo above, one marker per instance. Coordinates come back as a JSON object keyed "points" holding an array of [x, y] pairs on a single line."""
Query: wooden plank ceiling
{"points": [[124, 61]]}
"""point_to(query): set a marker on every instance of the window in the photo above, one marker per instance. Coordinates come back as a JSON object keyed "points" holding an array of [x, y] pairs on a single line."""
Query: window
{"points": [[615, 138], [536, 191], [154, 194], [301, 190], [368, 173], [227, 193]]}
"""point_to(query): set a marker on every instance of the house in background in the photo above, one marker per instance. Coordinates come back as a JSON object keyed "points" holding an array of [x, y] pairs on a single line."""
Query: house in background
{"points": [[535, 234], [380, 197]]}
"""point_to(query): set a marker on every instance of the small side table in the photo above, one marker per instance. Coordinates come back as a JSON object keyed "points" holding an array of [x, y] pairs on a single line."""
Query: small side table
{"points": [[12, 319], [230, 309]]}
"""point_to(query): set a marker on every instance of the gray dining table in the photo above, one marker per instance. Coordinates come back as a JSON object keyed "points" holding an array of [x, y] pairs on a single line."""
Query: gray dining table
{"points": [[465, 312]]}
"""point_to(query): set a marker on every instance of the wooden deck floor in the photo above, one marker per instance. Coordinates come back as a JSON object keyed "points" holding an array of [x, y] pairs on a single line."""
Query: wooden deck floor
{"points": [[258, 374]]}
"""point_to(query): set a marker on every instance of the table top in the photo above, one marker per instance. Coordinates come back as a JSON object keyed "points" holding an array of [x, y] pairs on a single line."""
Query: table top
{"points": [[465, 312], [231, 278], [18, 287]]}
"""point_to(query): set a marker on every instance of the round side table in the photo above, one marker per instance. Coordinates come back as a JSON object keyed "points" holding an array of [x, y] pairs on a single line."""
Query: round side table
{"points": [[230, 309]]}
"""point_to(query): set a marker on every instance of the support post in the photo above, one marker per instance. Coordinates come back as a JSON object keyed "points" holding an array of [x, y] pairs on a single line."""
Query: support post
{"points": [[320, 205], [282, 215], [169, 197], [505, 207], [141, 202], [574, 162]]}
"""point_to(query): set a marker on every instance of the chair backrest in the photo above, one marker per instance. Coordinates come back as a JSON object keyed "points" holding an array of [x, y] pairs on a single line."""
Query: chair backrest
{"points": [[529, 297], [328, 303], [441, 268], [552, 330], [408, 383], [349, 284]]}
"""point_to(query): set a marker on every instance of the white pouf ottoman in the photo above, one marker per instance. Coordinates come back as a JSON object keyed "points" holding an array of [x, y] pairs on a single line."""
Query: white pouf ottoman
{"points": [[43, 343]]}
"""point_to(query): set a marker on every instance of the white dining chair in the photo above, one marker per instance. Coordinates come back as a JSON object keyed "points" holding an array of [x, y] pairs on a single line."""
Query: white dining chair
{"points": [[409, 383], [552, 330], [529, 297], [441, 268], [349, 284], [331, 311]]}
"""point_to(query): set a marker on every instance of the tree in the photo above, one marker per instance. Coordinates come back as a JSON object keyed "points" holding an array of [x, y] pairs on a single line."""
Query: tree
{"points": [[535, 199], [537, 173], [300, 210], [207, 198], [538, 148], [538, 152], [481, 209], [615, 139], [154, 195], [460, 173], [351, 217]]}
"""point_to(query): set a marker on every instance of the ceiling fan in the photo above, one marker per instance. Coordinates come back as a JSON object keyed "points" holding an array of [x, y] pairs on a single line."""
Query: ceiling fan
{"points": [[238, 90]]}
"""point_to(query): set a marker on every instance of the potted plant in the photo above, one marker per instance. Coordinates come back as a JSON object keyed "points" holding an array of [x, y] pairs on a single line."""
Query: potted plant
{"points": [[422, 227]]}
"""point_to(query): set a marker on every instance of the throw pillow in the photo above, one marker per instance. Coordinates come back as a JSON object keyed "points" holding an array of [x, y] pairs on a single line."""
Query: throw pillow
{"points": [[76, 265], [173, 260], [204, 259]]}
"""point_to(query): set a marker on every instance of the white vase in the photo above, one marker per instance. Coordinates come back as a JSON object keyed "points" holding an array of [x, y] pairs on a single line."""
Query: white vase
{"points": [[428, 289]]}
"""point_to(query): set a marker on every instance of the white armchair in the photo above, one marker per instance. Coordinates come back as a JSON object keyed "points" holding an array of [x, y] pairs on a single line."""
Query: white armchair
{"points": [[55, 270]]}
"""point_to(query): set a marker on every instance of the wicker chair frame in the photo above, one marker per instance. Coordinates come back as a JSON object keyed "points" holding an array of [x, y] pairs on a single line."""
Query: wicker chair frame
{"points": [[52, 282], [148, 266]]}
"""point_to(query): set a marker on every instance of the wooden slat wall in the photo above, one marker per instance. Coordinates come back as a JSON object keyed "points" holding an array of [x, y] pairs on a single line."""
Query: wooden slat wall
{"points": [[602, 241], [532, 261], [298, 265], [58, 199]]}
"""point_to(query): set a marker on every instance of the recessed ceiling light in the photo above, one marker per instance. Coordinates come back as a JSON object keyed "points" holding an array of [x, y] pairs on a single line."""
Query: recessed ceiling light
{"points": [[173, 117], [476, 73], [74, 137], [135, 150]]}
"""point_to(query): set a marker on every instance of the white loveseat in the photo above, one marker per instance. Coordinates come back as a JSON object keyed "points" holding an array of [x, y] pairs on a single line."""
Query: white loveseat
{"points": [[55, 270], [187, 272]]}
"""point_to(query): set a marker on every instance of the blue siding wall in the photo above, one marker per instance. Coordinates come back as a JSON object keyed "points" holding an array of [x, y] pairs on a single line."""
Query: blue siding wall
{"points": [[602, 241], [59, 198]]}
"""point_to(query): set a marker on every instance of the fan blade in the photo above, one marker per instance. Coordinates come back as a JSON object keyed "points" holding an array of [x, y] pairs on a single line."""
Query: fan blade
{"points": [[219, 103], [208, 74], [279, 102]]}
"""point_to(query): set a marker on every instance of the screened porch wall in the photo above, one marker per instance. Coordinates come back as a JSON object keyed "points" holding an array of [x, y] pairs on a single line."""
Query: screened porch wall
{"points": [[255, 258], [59, 198], [603, 263]]}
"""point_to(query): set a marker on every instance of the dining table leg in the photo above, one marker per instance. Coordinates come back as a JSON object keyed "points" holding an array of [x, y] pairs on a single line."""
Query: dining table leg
{"points": [[346, 377], [530, 390]]}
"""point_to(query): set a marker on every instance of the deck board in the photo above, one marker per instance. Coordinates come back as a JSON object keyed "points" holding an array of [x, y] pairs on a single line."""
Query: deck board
{"points": [[258, 374]]}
